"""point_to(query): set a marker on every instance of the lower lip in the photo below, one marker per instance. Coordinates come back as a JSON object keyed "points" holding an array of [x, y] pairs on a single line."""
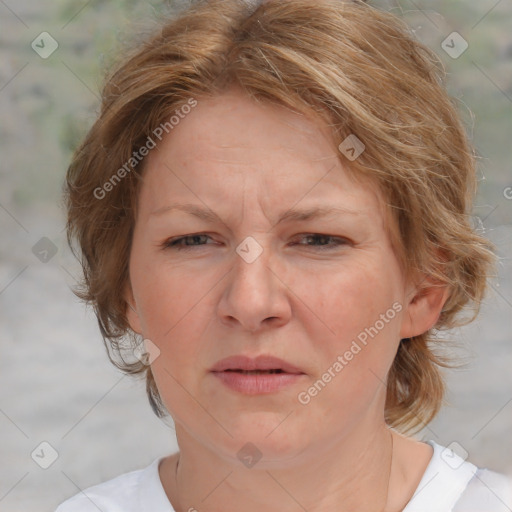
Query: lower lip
{"points": [[256, 384]]}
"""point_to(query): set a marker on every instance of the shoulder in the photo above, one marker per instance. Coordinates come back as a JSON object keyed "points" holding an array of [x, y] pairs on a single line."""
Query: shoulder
{"points": [[452, 484], [135, 491], [112, 495], [488, 491]]}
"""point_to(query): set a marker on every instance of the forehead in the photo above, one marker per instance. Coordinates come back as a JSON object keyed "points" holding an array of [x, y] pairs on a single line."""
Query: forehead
{"points": [[232, 125], [231, 151]]}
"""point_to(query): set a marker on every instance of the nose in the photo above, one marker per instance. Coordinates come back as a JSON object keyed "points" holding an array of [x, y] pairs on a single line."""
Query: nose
{"points": [[255, 295]]}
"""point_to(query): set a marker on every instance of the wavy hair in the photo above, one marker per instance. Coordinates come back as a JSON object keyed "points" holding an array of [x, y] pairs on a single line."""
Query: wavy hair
{"points": [[359, 68]]}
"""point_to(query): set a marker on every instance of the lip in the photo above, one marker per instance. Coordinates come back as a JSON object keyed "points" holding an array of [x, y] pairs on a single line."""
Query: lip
{"points": [[255, 384], [263, 362]]}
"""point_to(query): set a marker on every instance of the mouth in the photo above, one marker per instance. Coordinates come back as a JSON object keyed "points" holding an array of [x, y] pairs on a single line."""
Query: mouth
{"points": [[262, 364], [257, 372], [254, 376]]}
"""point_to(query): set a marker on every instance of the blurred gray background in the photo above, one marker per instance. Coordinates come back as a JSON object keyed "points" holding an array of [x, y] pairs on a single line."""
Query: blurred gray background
{"points": [[57, 385]]}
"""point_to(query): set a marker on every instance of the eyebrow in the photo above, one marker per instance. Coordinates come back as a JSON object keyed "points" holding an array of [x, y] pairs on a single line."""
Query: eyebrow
{"points": [[286, 216]]}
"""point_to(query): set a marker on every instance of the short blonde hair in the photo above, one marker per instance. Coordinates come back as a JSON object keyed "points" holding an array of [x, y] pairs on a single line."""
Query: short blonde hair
{"points": [[365, 74]]}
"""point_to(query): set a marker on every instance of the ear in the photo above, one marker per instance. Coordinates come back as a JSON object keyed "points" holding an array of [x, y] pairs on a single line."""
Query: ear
{"points": [[132, 314], [423, 308]]}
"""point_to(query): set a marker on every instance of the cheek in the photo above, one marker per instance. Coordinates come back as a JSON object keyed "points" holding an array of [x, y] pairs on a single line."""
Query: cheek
{"points": [[177, 306], [354, 298], [166, 294], [362, 305], [172, 305]]}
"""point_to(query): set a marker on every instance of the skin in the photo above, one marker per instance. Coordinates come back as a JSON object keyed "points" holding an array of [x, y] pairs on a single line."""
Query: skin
{"points": [[298, 300]]}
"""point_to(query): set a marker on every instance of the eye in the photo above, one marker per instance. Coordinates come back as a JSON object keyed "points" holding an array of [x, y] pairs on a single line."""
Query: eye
{"points": [[186, 242], [323, 242]]}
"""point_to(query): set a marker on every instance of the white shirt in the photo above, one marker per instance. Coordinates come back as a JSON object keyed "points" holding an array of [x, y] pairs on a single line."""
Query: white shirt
{"points": [[449, 484]]}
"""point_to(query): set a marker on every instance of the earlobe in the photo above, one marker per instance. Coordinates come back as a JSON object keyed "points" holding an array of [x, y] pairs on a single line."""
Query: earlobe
{"points": [[423, 309]]}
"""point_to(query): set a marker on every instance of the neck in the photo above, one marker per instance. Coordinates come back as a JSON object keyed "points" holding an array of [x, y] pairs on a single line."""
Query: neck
{"points": [[351, 473]]}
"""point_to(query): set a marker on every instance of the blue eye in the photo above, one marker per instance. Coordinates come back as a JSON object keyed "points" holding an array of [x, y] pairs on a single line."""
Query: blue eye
{"points": [[182, 242], [335, 241], [322, 242]]}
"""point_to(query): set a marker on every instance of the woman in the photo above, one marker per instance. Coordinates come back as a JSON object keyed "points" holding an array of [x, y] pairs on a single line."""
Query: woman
{"points": [[273, 216]]}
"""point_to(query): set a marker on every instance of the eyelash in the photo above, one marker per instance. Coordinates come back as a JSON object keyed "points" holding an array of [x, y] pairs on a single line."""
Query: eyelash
{"points": [[177, 243]]}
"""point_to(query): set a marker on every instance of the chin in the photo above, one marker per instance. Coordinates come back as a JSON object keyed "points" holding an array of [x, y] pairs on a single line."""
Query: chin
{"points": [[265, 436]]}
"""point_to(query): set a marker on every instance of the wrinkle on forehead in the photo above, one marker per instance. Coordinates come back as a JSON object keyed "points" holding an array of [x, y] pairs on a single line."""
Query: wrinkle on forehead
{"points": [[220, 148]]}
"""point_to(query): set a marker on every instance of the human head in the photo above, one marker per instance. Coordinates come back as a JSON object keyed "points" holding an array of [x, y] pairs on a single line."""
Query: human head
{"points": [[357, 68]]}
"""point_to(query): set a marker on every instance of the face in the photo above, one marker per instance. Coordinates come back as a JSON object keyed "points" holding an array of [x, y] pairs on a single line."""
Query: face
{"points": [[262, 275]]}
